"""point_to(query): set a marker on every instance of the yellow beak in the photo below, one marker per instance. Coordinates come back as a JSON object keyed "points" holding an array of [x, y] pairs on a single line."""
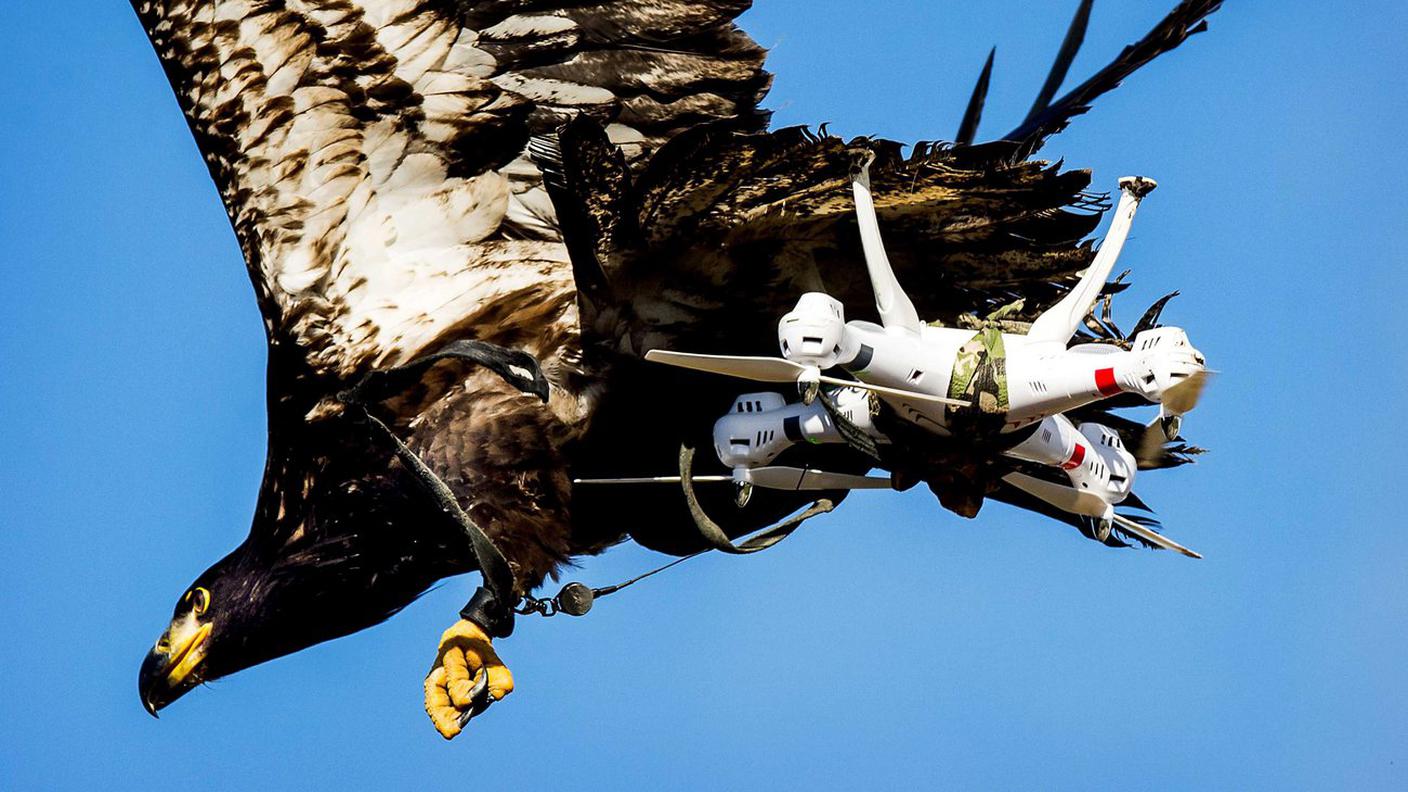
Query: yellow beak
{"points": [[167, 672], [186, 657]]}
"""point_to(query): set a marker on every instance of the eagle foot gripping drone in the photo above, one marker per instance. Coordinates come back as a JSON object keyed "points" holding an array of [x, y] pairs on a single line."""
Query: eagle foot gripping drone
{"points": [[1009, 391]]}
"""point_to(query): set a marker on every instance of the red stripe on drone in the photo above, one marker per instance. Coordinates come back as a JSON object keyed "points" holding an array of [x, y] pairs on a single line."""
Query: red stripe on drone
{"points": [[1077, 457], [1105, 382]]}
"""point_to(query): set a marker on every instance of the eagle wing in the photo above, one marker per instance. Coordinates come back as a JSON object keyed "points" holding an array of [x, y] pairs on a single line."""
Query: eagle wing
{"points": [[711, 239], [720, 232], [370, 153]]}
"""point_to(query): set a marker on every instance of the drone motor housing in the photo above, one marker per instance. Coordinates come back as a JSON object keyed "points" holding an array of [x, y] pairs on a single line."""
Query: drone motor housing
{"points": [[1092, 456], [752, 433], [814, 333], [1166, 358], [760, 426], [1115, 473]]}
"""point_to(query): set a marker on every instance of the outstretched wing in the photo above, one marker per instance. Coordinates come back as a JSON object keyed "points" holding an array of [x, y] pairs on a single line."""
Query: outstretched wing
{"points": [[370, 152], [723, 226], [723, 230]]}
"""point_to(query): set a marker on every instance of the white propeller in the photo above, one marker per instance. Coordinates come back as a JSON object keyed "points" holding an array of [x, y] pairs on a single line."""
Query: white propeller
{"points": [[770, 369], [1067, 499], [1088, 504], [1176, 401], [1184, 396], [776, 477], [1152, 537], [797, 479], [654, 480]]}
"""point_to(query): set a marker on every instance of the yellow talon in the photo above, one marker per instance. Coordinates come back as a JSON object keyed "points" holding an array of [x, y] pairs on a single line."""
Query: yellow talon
{"points": [[466, 653]]}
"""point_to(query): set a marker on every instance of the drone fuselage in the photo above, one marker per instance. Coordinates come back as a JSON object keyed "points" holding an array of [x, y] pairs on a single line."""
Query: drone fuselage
{"points": [[1039, 379]]}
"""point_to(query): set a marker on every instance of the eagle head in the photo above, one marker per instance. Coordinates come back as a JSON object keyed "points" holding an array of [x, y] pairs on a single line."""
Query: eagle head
{"points": [[257, 603]]}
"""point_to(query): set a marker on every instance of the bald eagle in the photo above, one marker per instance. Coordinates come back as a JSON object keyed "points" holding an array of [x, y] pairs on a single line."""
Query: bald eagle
{"points": [[580, 183]]}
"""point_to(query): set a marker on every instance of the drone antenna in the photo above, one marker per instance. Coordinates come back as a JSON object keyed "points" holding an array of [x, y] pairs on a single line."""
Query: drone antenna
{"points": [[896, 309], [968, 130], [1075, 36]]}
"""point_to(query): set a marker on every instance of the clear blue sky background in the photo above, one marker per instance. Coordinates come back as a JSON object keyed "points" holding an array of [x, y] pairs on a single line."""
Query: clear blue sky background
{"points": [[890, 645]]}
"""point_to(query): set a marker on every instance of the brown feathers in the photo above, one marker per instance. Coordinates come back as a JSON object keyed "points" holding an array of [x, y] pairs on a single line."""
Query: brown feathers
{"points": [[373, 156], [370, 153]]}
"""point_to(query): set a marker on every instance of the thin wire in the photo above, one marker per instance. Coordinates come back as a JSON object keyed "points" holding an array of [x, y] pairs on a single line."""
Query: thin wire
{"points": [[602, 592]]}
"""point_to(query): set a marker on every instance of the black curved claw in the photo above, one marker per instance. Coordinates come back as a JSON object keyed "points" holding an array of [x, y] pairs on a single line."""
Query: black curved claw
{"points": [[479, 699]]}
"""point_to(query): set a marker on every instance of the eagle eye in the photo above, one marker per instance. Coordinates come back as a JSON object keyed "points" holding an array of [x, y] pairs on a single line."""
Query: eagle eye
{"points": [[200, 600]]}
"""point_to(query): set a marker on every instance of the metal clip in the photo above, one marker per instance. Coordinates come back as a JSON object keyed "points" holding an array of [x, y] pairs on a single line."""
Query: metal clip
{"points": [[575, 599]]}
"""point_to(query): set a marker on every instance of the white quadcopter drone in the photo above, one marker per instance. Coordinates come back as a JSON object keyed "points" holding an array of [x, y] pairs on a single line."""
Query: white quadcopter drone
{"points": [[922, 372]]}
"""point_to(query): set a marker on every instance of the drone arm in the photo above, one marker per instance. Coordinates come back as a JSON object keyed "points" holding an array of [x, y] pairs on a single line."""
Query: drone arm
{"points": [[1061, 321], [896, 309]]}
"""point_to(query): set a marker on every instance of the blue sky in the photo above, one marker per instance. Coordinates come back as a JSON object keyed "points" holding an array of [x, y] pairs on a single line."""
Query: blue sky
{"points": [[889, 645]]}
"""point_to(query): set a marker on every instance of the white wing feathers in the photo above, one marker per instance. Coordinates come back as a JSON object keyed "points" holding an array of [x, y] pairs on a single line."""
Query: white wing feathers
{"points": [[370, 152]]}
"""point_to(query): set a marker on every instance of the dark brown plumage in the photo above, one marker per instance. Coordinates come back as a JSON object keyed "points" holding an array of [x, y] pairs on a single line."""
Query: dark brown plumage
{"points": [[374, 156]]}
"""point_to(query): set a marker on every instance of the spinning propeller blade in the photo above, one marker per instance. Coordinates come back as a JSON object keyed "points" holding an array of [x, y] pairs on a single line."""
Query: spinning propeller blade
{"points": [[895, 392], [1151, 443], [1177, 400], [1184, 396], [766, 369], [653, 480]]}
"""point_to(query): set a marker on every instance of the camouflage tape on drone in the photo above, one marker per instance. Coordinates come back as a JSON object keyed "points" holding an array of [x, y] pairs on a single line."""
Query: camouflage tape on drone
{"points": [[980, 369]]}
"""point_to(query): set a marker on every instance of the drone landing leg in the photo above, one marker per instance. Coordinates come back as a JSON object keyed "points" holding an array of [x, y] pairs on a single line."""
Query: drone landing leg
{"points": [[1061, 321], [896, 309]]}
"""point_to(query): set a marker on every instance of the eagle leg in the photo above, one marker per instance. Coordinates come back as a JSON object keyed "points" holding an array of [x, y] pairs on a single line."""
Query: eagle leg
{"points": [[467, 677]]}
